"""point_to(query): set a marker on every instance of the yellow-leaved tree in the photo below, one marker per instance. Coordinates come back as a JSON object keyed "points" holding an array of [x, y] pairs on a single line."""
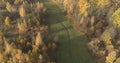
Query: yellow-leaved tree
{"points": [[115, 19], [7, 21], [111, 57], [39, 40], [22, 11], [8, 6]]}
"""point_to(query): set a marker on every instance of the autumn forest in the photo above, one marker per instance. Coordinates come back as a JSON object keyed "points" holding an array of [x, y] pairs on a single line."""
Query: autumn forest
{"points": [[59, 31]]}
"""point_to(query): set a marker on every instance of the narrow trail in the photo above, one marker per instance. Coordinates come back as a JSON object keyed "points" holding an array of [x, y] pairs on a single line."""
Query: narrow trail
{"points": [[72, 48]]}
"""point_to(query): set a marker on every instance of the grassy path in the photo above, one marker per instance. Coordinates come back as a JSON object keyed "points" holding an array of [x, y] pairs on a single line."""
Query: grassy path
{"points": [[72, 48]]}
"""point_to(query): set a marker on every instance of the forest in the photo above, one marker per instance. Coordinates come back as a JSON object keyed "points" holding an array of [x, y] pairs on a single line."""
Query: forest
{"points": [[59, 31], [23, 33], [100, 21]]}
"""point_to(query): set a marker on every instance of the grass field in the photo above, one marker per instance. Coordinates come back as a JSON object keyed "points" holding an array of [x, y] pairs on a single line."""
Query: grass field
{"points": [[72, 48]]}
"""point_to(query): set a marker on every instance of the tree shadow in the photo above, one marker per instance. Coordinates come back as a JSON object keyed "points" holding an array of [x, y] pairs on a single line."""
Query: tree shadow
{"points": [[55, 17]]}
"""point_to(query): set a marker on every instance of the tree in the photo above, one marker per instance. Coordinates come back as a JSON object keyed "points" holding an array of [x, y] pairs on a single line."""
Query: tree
{"points": [[117, 60], [22, 11], [54, 46], [19, 54], [93, 44], [8, 48], [56, 39], [111, 57], [39, 40], [109, 48], [39, 7], [1, 57], [102, 3], [115, 19], [106, 36], [22, 27], [83, 6], [44, 48], [8, 6], [7, 21], [40, 58], [100, 53]]}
